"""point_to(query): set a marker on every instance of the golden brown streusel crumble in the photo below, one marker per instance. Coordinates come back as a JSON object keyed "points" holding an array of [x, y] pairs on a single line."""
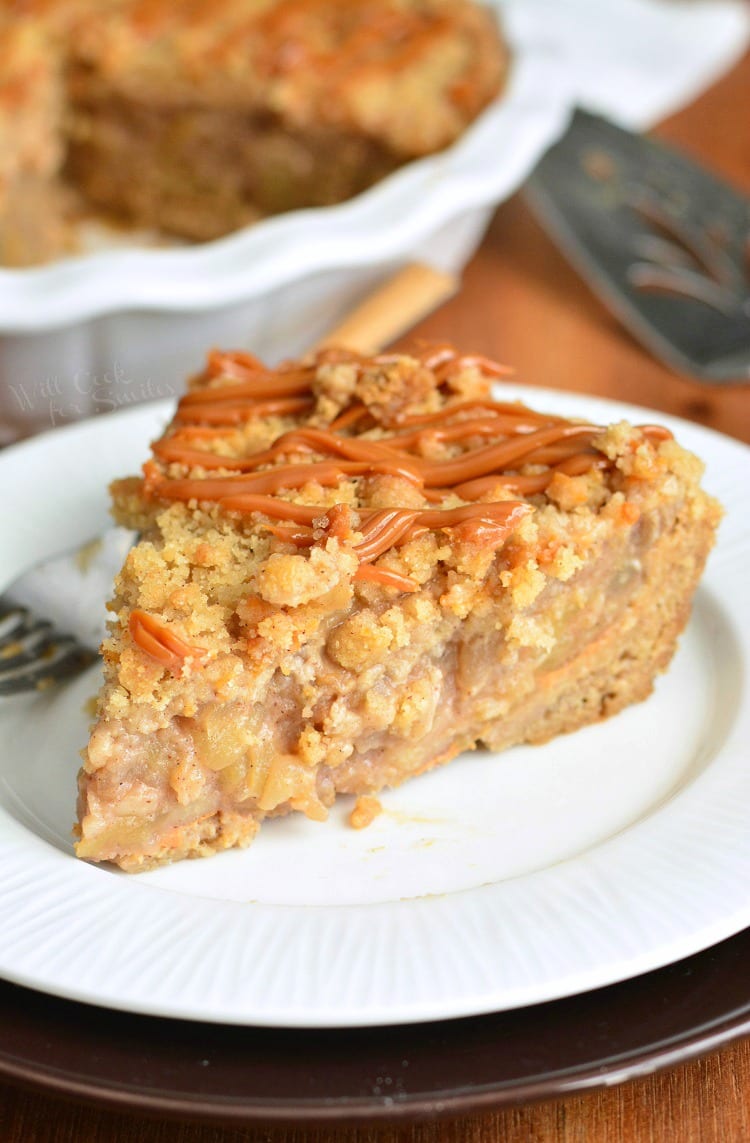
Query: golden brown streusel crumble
{"points": [[352, 569]]}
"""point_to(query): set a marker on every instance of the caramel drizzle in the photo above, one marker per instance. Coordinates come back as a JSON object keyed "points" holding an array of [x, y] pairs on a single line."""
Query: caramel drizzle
{"points": [[255, 482], [287, 388], [551, 446], [444, 362], [228, 413], [160, 642], [386, 577], [381, 528], [489, 526]]}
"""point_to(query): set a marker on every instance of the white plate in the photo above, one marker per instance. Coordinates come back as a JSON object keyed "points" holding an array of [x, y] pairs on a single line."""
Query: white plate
{"points": [[493, 883]]}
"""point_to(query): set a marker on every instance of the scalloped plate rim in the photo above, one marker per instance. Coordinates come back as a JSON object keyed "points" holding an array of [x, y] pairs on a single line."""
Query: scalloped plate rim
{"points": [[596, 953]]}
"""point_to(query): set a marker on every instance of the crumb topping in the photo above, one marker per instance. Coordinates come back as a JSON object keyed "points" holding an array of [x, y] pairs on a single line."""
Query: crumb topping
{"points": [[352, 569], [350, 500]]}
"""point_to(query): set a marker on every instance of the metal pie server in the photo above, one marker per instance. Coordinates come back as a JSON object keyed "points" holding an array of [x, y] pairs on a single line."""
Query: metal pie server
{"points": [[661, 240]]}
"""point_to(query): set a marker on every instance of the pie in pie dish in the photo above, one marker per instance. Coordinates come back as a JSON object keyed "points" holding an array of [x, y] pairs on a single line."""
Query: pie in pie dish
{"points": [[352, 569], [196, 117]]}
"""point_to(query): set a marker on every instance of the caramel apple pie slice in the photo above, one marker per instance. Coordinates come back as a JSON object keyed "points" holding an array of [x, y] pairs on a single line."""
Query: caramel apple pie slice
{"points": [[352, 569]]}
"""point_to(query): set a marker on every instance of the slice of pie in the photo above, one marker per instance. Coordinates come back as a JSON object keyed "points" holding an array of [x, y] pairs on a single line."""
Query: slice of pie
{"points": [[352, 569]]}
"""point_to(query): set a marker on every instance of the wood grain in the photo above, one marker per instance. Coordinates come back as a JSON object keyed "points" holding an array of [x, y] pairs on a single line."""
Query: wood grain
{"points": [[702, 1102], [522, 303]]}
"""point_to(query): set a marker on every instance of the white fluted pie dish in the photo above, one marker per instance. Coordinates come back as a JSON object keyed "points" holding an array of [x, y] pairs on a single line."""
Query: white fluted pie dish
{"points": [[123, 325]]}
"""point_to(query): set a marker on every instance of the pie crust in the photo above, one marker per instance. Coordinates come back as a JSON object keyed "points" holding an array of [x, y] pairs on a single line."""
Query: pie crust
{"points": [[352, 569]]}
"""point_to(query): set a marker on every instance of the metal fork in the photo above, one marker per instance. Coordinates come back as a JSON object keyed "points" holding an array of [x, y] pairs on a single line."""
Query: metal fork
{"points": [[52, 618], [33, 654]]}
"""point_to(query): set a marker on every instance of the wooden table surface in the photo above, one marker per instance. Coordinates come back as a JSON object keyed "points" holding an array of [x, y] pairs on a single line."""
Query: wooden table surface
{"points": [[520, 302]]}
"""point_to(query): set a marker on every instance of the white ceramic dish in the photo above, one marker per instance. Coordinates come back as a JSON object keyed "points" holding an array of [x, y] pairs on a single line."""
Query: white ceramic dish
{"points": [[123, 326], [89, 334], [490, 884]]}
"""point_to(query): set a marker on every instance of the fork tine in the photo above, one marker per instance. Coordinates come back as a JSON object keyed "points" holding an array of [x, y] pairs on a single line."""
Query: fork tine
{"points": [[51, 620], [15, 622], [33, 656], [20, 629], [66, 658]]}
